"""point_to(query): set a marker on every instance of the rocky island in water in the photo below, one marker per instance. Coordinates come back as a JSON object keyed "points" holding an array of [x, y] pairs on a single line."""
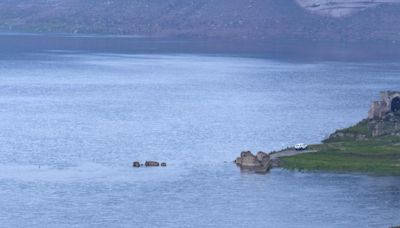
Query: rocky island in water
{"points": [[371, 146]]}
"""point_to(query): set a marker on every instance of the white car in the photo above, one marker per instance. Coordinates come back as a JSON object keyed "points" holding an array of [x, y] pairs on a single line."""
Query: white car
{"points": [[301, 146]]}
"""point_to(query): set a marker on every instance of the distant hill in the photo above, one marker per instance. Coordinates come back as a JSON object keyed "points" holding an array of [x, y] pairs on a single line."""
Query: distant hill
{"points": [[323, 20]]}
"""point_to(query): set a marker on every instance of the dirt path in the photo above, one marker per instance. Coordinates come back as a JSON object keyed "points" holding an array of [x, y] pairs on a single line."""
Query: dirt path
{"points": [[289, 152]]}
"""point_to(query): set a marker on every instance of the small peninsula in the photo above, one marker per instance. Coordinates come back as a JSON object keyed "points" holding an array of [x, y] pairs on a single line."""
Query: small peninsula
{"points": [[371, 146]]}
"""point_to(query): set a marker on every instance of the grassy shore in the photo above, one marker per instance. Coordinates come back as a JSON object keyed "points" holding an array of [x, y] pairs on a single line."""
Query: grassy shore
{"points": [[379, 155]]}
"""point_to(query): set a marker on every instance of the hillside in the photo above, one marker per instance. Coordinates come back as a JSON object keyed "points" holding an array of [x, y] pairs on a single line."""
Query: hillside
{"points": [[235, 19]]}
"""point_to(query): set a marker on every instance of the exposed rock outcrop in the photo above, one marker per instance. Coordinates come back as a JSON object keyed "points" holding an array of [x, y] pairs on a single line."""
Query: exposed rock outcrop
{"points": [[259, 163], [388, 124]]}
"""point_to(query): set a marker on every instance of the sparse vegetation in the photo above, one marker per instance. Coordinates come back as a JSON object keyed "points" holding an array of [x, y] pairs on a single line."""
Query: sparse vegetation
{"points": [[360, 128]]}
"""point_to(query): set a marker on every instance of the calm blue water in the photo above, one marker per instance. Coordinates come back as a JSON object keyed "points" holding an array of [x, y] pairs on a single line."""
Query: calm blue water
{"points": [[83, 118]]}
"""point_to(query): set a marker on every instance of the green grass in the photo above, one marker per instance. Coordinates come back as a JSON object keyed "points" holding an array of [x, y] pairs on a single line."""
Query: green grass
{"points": [[360, 128], [375, 155]]}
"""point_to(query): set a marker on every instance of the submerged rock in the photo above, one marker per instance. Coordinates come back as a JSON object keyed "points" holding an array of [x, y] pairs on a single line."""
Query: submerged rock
{"points": [[259, 163], [137, 164], [151, 164]]}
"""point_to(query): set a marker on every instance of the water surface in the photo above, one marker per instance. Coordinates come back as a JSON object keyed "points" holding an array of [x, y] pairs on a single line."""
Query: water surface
{"points": [[72, 123]]}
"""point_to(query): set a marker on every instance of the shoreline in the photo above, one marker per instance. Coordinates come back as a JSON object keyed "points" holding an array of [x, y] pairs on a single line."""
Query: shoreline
{"points": [[372, 146]]}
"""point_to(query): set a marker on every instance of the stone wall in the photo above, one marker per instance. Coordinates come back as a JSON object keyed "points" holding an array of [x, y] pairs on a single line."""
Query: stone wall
{"points": [[383, 107]]}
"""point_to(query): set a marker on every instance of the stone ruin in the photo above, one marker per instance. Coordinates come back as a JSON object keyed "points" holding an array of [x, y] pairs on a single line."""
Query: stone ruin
{"points": [[390, 103], [383, 119]]}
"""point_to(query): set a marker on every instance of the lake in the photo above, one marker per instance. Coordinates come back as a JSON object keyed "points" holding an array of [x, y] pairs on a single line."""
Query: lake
{"points": [[73, 121]]}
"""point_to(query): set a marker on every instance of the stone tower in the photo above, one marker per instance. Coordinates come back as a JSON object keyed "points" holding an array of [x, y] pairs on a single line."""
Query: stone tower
{"points": [[390, 103]]}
